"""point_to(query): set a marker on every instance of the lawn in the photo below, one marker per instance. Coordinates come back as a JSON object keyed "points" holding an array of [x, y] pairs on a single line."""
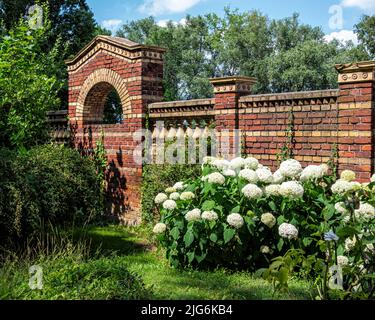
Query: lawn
{"points": [[140, 255], [116, 262]]}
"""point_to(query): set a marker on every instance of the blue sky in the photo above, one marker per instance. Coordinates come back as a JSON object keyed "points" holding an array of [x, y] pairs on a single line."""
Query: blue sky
{"points": [[336, 17]]}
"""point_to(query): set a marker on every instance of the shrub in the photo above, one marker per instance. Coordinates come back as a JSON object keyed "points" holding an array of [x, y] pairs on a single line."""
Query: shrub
{"points": [[241, 215], [46, 185], [159, 177], [27, 88]]}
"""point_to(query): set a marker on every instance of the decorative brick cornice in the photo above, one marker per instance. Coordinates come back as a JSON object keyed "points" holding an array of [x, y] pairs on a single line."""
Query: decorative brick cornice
{"points": [[233, 84], [307, 98], [118, 46], [356, 72]]}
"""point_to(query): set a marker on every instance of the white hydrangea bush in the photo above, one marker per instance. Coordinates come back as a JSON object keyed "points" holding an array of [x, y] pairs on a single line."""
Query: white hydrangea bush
{"points": [[240, 211]]}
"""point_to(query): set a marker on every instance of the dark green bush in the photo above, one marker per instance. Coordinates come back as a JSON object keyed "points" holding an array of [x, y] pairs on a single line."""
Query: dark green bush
{"points": [[48, 185], [156, 178]]}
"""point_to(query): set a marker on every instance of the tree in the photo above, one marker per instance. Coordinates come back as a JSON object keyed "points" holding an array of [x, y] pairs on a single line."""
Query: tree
{"points": [[27, 90], [284, 55], [365, 31]]}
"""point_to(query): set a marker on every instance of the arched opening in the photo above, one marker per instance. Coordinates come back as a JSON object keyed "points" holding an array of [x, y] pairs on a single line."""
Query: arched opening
{"points": [[103, 105]]}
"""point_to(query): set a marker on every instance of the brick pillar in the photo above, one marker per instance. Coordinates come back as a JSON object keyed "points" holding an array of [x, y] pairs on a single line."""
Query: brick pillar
{"points": [[228, 91], [356, 118]]}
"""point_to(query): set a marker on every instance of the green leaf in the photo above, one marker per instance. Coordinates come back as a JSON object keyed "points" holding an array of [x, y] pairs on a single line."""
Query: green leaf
{"points": [[213, 237], [191, 256], [272, 205], [229, 234], [236, 209], [188, 238], [280, 244], [208, 205], [175, 233]]}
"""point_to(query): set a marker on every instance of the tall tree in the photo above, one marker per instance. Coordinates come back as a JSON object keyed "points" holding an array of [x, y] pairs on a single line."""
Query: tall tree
{"points": [[365, 30]]}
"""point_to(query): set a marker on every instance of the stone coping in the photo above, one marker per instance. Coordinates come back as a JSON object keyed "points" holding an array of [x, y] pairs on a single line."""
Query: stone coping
{"points": [[182, 103]]}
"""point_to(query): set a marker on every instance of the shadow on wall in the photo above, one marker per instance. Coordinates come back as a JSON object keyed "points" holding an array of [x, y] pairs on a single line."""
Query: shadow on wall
{"points": [[116, 201]]}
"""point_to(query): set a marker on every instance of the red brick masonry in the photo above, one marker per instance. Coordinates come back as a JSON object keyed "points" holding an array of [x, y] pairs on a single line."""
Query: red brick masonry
{"points": [[321, 119]]}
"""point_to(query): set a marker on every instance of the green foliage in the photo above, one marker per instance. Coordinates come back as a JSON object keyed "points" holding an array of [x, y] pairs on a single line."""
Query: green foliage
{"points": [[284, 55], [46, 185], [365, 30], [159, 177], [27, 90]]}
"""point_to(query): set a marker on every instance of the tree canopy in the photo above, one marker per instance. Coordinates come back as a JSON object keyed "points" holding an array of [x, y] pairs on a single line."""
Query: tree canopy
{"points": [[284, 55]]}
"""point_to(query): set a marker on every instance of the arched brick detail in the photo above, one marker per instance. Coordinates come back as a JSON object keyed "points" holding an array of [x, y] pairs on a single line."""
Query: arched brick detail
{"points": [[135, 71], [100, 83]]}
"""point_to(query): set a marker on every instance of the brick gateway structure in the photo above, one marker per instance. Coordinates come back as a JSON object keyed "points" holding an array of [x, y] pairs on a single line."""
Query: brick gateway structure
{"points": [[320, 119]]}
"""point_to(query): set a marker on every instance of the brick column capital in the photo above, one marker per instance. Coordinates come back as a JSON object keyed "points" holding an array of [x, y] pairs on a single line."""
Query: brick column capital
{"points": [[356, 72], [236, 84]]}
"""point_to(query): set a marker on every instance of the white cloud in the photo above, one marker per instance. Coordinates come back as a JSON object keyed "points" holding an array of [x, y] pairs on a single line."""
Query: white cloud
{"points": [[163, 23], [366, 5], [158, 7], [342, 36], [111, 24]]}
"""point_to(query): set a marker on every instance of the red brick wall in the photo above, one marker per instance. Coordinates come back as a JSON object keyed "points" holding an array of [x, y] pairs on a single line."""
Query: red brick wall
{"points": [[138, 81]]}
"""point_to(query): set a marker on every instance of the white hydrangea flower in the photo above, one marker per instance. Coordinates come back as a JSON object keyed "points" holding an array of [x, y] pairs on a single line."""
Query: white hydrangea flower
{"points": [[174, 196], [340, 208], [208, 160], [341, 187], [365, 211], [265, 249], [373, 178], [312, 173], [251, 163], [160, 228], [346, 218], [290, 168], [348, 175], [179, 186], [249, 175], [278, 177], [269, 220], [216, 178], [355, 185], [235, 220], [170, 190], [342, 261], [169, 205], [325, 169], [160, 198], [210, 216], [229, 173], [350, 244], [221, 164], [291, 189], [272, 190], [237, 164], [252, 191], [193, 215], [187, 196], [288, 231], [265, 175]]}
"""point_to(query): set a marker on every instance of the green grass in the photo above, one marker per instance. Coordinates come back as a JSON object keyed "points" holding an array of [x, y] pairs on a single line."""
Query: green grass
{"points": [[123, 263], [136, 250]]}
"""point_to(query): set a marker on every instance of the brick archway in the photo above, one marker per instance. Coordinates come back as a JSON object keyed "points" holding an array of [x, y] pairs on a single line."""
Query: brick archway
{"points": [[94, 91], [135, 71]]}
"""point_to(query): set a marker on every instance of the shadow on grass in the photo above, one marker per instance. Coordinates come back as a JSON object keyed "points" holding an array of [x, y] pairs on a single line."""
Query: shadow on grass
{"points": [[112, 240]]}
